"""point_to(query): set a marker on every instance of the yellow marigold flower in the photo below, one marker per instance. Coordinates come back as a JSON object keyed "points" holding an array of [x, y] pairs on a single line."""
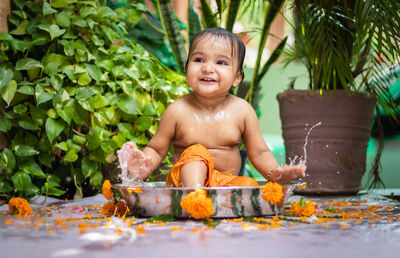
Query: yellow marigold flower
{"points": [[107, 193], [197, 204], [272, 193], [19, 206], [118, 209], [307, 209]]}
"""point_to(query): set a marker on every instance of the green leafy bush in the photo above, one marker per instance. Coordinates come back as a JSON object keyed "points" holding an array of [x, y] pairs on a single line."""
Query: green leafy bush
{"points": [[73, 90]]}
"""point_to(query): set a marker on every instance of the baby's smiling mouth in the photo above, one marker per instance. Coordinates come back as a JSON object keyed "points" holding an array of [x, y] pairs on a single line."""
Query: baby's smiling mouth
{"points": [[207, 79]]}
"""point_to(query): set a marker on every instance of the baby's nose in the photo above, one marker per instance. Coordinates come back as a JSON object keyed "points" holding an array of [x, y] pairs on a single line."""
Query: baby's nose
{"points": [[208, 67]]}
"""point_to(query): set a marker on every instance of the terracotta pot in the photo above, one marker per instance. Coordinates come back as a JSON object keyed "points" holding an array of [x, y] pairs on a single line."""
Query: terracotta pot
{"points": [[335, 153]]}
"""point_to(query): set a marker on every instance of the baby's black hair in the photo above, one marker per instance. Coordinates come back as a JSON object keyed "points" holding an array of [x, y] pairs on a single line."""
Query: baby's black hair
{"points": [[236, 43]]}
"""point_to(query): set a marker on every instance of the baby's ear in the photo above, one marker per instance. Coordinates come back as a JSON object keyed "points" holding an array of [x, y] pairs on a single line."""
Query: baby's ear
{"points": [[238, 79]]}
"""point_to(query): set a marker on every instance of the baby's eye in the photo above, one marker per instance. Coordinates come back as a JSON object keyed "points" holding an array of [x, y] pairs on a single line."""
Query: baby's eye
{"points": [[222, 62], [198, 60]]}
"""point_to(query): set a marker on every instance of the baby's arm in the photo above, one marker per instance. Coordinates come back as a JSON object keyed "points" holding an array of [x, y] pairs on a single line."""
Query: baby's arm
{"points": [[143, 163], [260, 156]]}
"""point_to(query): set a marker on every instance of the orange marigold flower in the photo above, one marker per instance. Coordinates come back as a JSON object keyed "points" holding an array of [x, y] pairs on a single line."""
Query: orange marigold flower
{"points": [[197, 204], [272, 193], [135, 190], [175, 228], [107, 193], [301, 208], [118, 209], [19, 206]]}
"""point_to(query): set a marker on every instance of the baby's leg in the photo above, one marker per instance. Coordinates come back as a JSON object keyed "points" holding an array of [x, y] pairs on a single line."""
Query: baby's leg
{"points": [[193, 174]]}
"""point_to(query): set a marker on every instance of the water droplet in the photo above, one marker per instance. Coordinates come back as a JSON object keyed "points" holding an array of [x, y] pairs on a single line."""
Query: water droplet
{"points": [[307, 174], [306, 124], [327, 146], [338, 172], [319, 183]]}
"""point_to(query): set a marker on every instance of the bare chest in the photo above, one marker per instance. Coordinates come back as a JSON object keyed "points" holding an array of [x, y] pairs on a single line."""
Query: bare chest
{"points": [[211, 131]]}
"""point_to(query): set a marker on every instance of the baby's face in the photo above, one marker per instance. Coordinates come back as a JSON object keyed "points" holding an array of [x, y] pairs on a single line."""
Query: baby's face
{"points": [[211, 69]]}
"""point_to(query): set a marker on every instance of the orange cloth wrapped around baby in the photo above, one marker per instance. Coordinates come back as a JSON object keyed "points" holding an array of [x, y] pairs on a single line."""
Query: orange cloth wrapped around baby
{"points": [[214, 178]]}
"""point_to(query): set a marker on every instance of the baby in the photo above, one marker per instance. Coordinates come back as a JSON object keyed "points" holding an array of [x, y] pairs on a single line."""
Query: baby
{"points": [[207, 125]]}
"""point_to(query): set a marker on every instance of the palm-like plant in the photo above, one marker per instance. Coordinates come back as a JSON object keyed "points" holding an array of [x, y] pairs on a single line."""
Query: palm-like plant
{"points": [[349, 45]]}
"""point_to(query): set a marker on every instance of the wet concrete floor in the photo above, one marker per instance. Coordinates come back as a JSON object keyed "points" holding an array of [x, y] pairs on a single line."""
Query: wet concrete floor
{"points": [[365, 225]]}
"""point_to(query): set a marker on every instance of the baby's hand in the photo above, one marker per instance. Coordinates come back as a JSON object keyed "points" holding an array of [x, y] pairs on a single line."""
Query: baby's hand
{"points": [[139, 164], [285, 174]]}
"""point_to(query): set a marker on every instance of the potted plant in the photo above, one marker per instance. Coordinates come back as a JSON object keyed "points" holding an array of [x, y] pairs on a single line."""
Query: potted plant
{"points": [[347, 47]]}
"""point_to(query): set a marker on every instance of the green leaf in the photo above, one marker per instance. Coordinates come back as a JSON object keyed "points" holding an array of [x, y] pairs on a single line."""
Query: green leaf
{"points": [[144, 123], [7, 159], [96, 179], [20, 109], [86, 11], [71, 156], [94, 71], [75, 112], [27, 90], [22, 181], [5, 76], [105, 11], [47, 9], [42, 97], [38, 114], [99, 101], [92, 142], [63, 19], [149, 110], [32, 168], [21, 29], [89, 167], [161, 217], [302, 202], [62, 3], [5, 124], [8, 91], [129, 105], [48, 189], [27, 63], [78, 21], [5, 187], [55, 31], [109, 33], [79, 139], [25, 151], [28, 124], [84, 93], [62, 146], [53, 128], [84, 79], [126, 129], [5, 36], [46, 159], [72, 146]]}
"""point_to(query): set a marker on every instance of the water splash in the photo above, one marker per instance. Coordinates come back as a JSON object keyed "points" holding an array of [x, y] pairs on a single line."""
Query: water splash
{"points": [[303, 159], [123, 157]]}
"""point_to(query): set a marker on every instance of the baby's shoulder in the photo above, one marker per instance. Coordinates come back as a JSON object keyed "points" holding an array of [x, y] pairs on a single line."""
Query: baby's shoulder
{"points": [[177, 107], [239, 104]]}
